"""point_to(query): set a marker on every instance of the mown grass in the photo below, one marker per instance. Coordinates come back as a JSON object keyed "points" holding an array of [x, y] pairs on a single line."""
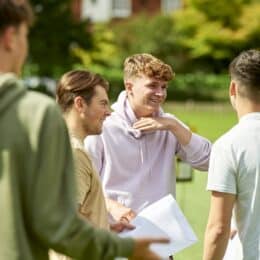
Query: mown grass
{"points": [[209, 120]]}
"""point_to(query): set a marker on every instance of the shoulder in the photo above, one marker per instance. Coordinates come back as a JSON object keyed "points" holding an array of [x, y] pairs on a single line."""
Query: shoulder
{"points": [[82, 161], [227, 145], [230, 138], [114, 125], [37, 100], [40, 106], [114, 120]]}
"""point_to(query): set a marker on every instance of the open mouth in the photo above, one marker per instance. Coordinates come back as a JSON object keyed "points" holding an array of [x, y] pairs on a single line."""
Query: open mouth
{"points": [[155, 101]]}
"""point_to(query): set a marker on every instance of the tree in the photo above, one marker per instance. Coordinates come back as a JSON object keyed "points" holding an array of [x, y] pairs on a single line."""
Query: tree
{"points": [[213, 32], [53, 35], [144, 33]]}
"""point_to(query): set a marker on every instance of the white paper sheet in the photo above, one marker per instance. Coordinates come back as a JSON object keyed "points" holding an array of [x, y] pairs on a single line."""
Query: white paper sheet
{"points": [[163, 219], [234, 249]]}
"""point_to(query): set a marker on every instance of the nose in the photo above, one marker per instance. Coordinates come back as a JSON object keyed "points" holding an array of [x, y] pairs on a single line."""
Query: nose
{"points": [[160, 92], [108, 111]]}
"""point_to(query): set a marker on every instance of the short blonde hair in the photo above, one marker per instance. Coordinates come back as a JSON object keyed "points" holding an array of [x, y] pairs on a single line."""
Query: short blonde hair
{"points": [[148, 65]]}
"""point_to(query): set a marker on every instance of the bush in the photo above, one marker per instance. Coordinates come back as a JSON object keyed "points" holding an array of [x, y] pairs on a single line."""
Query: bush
{"points": [[192, 86], [199, 87]]}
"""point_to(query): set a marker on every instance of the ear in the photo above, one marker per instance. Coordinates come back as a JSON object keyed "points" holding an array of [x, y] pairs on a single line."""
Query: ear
{"points": [[9, 37], [233, 93], [79, 104], [128, 87], [233, 88]]}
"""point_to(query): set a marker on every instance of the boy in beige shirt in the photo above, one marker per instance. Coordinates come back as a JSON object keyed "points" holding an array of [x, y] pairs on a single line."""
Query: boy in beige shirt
{"points": [[83, 98]]}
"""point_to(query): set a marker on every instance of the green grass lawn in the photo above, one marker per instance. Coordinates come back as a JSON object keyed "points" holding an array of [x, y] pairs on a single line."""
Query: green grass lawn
{"points": [[210, 121]]}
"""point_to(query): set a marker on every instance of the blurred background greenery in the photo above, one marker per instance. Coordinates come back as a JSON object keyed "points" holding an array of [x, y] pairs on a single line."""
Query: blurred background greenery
{"points": [[198, 40]]}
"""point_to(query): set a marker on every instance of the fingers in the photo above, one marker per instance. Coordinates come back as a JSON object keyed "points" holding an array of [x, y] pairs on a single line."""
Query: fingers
{"points": [[143, 122], [151, 123], [157, 240], [128, 226], [127, 217], [120, 226], [117, 227], [145, 125]]}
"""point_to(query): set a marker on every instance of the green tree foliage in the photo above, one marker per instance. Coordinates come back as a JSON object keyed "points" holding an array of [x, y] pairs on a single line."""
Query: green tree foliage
{"points": [[104, 53], [213, 32], [151, 34], [53, 35]]}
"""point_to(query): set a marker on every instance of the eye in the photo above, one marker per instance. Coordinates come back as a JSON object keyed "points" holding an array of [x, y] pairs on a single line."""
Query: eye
{"points": [[104, 103], [152, 86], [164, 87]]}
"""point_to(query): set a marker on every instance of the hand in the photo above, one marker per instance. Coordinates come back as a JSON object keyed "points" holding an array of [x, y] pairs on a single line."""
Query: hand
{"points": [[153, 123], [120, 226], [142, 250], [119, 212]]}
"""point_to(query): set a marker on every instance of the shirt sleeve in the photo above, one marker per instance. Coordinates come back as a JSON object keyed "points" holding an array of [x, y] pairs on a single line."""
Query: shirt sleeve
{"points": [[222, 169], [51, 203]]}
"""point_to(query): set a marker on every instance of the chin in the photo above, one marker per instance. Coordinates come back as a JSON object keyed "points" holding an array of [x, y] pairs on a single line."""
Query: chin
{"points": [[98, 132], [153, 110]]}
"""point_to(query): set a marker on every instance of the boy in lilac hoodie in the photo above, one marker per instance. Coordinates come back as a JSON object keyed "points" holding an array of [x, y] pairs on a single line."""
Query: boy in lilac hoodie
{"points": [[135, 154]]}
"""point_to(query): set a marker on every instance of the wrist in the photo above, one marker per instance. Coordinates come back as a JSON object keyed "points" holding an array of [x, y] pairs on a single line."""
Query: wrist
{"points": [[172, 125]]}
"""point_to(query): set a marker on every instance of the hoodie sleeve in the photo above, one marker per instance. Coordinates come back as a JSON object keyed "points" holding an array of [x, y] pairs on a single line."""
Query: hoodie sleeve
{"points": [[51, 199], [95, 148], [196, 152]]}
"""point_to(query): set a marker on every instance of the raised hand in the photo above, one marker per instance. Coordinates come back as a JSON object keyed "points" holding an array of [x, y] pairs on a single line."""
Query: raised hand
{"points": [[153, 123]]}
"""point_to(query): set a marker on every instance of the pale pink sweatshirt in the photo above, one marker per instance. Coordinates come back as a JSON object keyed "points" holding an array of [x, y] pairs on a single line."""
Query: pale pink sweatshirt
{"points": [[137, 168]]}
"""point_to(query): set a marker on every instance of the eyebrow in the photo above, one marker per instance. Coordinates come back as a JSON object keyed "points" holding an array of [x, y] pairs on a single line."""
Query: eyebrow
{"points": [[104, 101], [155, 83]]}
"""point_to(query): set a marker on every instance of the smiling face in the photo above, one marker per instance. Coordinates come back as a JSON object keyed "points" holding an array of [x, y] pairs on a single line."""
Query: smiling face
{"points": [[94, 113], [146, 95]]}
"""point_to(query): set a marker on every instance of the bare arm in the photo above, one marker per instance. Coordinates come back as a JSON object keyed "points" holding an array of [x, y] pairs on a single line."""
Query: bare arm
{"points": [[218, 227]]}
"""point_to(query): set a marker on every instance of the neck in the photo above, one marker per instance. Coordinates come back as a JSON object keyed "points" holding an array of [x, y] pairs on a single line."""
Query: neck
{"points": [[74, 127], [245, 106], [5, 64]]}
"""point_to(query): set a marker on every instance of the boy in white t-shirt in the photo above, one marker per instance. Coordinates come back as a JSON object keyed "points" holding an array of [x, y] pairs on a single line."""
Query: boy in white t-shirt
{"points": [[234, 171]]}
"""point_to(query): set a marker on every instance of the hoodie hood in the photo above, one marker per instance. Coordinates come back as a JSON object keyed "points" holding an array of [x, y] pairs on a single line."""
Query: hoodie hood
{"points": [[123, 109], [11, 88]]}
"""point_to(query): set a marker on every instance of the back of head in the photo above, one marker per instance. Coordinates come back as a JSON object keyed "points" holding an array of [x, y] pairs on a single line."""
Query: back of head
{"points": [[14, 12], [245, 70], [147, 65], [78, 83]]}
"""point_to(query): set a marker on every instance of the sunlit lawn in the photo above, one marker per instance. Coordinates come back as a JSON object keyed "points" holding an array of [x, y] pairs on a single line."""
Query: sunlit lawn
{"points": [[211, 121]]}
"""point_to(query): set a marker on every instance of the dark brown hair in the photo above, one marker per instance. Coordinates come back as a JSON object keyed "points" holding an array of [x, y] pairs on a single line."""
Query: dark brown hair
{"points": [[78, 83], [245, 69], [15, 12]]}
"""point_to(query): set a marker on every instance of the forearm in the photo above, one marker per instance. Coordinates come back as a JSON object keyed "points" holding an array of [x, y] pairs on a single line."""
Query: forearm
{"points": [[215, 243], [182, 133]]}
